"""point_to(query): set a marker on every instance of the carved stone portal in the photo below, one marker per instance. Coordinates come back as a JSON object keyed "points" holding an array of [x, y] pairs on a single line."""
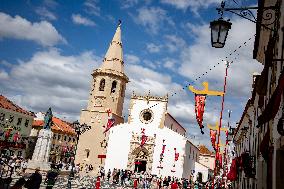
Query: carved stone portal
{"points": [[141, 154]]}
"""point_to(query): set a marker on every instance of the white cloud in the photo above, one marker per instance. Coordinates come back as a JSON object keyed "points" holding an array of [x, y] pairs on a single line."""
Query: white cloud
{"points": [[42, 32], [173, 43], [153, 18], [92, 7], [79, 19], [194, 5], [50, 79], [128, 3], [131, 59], [45, 13], [153, 48]]}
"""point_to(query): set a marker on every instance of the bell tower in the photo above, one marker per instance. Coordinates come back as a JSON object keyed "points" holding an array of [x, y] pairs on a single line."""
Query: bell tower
{"points": [[106, 100]]}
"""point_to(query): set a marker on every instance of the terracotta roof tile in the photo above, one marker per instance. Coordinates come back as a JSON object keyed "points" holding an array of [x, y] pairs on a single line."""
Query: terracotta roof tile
{"points": [[58, 125], [204, 150], [9, 105]]}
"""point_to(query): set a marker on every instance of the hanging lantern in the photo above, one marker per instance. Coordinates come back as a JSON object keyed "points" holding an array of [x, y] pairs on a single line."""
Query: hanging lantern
{"points": [[219, 32]]}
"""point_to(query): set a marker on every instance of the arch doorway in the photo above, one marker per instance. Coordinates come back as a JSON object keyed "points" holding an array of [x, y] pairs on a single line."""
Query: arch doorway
{"points": [[141, 157]]}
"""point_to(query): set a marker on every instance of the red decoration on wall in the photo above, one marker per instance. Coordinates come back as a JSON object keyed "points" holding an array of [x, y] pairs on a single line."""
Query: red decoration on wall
{"points": [[232, 175], [199, 109], [110, 124], [143, 138], [7, 134], [16, 136]]}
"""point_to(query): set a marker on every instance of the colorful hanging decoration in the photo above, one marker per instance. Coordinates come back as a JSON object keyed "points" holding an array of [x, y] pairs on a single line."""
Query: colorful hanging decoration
{"points": [[143, 138], [227, 135], [16, 136], [200, 97], [7, 134], [232, 175], [199, 110], [175, 160], [110, 124], [213, 134], [162, 155]]}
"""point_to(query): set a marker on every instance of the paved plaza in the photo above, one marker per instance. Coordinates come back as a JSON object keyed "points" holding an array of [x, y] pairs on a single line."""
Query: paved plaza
{"points": [[79, 182]]}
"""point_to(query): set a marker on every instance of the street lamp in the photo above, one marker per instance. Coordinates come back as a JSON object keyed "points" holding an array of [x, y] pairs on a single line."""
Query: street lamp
{"points": [[220, 27], [219, 32]]}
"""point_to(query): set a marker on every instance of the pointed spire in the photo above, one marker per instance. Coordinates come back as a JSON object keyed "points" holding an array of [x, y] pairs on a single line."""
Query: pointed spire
{"points": [[114, 57]]}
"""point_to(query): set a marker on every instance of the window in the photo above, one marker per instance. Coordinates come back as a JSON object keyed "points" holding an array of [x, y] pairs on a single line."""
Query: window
{"points": [[54, 136], [27, 122], [102, 85], [74, 139], [11, 119], [2, 116], [171, 126], [65, 138], [59, 136], [69, 139], [20, 153], [87, 152], [113, 86], [19, 121]]}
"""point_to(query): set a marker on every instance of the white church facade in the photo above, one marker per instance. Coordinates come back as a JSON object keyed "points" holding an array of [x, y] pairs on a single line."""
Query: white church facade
{"points": [[152, 140], [165, 137]]}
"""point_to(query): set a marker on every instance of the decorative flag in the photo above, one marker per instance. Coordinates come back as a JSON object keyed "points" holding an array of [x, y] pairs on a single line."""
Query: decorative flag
{"points": [[143, 138], [227, 135], [110, 123], [199, 109], [16, 136], [213, 134], [176, 156], [7, 134]]}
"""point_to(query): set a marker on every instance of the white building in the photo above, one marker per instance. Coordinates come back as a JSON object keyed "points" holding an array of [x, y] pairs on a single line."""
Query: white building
{"points": [[148, 114]]}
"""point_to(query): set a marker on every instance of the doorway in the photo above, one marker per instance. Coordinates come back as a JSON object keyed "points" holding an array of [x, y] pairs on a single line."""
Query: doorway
{"points": [[140, 166]]}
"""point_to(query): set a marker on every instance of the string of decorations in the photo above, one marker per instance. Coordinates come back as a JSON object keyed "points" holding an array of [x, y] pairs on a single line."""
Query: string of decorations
{"points": [[210, 69]]}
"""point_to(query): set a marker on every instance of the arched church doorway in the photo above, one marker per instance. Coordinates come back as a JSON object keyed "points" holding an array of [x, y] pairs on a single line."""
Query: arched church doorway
{"points": [[140, 155]]}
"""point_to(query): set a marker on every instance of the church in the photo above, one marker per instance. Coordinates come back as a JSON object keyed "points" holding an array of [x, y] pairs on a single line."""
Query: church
{"points": [[151, 141]]}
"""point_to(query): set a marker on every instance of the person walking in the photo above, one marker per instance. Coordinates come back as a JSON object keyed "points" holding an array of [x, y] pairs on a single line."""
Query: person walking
{"points": [[19, 183], [51, 178], [35, 180], [108, 175]]}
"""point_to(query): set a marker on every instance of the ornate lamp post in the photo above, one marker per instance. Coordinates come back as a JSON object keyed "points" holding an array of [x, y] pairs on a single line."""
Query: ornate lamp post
{"points": [[220, 27], [79, 129]]}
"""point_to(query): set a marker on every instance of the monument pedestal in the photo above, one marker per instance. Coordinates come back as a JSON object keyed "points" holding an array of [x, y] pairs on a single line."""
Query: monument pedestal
{"points": [[42, 150]]}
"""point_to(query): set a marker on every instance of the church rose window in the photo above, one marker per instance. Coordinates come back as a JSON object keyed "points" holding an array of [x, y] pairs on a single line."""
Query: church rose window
{"points": [[146, 116], [102, 85]]}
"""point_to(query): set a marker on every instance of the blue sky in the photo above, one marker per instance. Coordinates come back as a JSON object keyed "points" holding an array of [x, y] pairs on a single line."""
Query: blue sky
{"points": [[48, 50]]}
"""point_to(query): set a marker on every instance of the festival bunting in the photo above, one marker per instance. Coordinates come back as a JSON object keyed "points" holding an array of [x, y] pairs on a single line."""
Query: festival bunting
{"points": [[16, 136], [143, 138], [110, 124], [213, 134], [162, 155], [199, 109]]}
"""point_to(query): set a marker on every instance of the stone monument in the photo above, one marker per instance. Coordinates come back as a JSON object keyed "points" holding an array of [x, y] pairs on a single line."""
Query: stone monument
{"points": [[43, 145]]}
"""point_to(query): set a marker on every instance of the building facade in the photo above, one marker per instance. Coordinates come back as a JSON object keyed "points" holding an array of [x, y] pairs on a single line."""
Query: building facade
{"points": [[151, 141], [15, 128], [259, 136], [64, 138]]}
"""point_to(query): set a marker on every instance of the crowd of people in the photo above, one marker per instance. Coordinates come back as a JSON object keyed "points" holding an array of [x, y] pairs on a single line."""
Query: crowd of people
{"points": [[122, 178]]}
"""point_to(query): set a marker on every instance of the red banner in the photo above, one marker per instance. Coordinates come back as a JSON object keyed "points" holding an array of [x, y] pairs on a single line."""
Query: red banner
{"points": [[7, 145], [213, 137], [199, 109], [110, 124], [143, 138]]}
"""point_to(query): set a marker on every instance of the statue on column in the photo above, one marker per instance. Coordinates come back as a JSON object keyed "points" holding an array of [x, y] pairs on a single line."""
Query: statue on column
{"points": [[48, 119]]}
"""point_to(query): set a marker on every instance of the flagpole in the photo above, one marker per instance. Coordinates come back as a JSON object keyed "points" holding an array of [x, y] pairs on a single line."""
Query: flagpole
{"points": [[220, 122]]}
